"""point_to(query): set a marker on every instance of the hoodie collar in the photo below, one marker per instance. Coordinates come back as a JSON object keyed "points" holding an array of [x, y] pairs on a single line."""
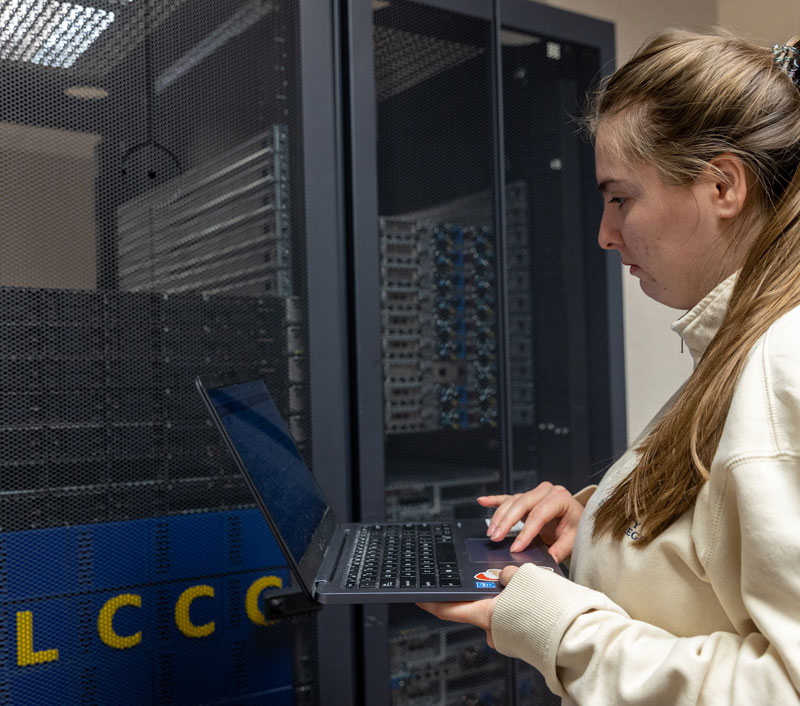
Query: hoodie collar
{"points": [[700, 324]]}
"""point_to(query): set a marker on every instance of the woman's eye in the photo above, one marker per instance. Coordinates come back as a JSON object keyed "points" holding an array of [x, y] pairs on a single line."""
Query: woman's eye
{"points": [[618, 200]]}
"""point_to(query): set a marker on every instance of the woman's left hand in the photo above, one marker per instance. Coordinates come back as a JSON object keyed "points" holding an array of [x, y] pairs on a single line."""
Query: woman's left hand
{"points": [[478, 613]]}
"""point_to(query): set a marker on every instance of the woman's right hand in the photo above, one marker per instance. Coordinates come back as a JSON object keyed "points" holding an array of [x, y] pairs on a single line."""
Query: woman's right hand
{"points": [[548, 510]]}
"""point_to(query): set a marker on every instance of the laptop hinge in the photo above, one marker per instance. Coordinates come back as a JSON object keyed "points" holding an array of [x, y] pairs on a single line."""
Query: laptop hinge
{"points": [[333, 555], [287, 603]]}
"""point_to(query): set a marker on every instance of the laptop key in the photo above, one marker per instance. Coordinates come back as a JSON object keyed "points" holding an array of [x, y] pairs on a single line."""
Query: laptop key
{"points": [[393, 556]]}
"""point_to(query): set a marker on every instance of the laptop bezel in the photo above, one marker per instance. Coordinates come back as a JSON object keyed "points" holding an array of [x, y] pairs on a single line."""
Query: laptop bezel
{"points": [[305, 571]]}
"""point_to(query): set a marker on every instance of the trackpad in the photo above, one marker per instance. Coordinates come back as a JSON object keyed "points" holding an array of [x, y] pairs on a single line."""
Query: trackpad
{"points": [[489, 552]]}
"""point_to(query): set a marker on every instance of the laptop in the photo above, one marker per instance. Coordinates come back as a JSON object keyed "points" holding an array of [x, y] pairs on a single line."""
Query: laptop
{"points": [[349, 563]]}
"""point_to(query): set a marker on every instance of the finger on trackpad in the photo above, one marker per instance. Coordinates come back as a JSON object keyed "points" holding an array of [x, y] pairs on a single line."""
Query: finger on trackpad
{"points": [[485, 550]]}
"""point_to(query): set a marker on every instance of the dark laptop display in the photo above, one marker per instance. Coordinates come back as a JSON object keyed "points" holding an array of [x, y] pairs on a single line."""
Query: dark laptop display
{"points": [[352, 562], [263, 443]]}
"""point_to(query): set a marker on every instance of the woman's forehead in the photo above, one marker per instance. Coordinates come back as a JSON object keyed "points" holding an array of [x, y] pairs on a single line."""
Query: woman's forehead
{"points": [[618, 134], [609, 138], [614, 164], [611, 167]]}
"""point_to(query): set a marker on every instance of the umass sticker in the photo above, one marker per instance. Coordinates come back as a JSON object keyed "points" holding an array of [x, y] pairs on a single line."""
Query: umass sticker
{"points": [[487, 579]]}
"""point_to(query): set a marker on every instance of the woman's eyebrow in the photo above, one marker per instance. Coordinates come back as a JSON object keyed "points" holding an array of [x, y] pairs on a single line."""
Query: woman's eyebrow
{"points": [[603, 185]]}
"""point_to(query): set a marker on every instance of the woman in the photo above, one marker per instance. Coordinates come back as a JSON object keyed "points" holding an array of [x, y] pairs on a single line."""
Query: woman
{"points": [[685, 560]]}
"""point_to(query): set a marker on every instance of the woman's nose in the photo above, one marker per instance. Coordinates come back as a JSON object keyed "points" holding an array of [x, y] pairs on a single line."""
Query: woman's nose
{"points": [[608, 237]]}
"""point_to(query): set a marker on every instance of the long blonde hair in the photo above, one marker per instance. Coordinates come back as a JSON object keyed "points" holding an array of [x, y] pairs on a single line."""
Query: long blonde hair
{"points": [[683, 99]]}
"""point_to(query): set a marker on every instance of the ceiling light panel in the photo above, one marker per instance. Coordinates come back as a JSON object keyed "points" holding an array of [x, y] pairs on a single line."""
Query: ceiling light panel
{"points": [[48, 32]]}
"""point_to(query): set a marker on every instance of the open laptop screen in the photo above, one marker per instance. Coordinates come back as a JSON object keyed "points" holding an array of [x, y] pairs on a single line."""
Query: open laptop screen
{"points": [[282, 479]]}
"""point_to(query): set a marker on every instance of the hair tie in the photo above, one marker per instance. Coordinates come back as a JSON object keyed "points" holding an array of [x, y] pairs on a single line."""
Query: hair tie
{"points": [[788, 58]]}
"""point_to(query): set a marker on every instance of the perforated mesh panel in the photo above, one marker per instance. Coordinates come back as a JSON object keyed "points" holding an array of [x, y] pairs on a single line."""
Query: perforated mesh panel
{"points": [[152, 232]]}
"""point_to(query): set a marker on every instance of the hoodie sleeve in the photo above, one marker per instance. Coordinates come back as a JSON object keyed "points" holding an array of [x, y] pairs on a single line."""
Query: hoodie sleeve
{"points": [[591, 651]]}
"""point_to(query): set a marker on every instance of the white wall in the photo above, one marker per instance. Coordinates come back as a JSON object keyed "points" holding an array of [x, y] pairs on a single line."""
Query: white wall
{"points": [[47, 226], [635, 20], [767, 22]]}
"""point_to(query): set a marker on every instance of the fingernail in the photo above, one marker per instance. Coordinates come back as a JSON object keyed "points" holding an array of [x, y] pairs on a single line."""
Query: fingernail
{"points": [[490, 530], [514, 547], [496, 534]]}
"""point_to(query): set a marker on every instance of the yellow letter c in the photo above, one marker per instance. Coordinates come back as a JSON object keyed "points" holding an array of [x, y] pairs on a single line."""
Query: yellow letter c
{"points": [[251, 599], [106, 617], [182, 620]]}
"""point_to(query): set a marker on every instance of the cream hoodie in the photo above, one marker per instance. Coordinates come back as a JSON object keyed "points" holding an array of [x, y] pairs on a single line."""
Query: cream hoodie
{"points": [[709, 611]]}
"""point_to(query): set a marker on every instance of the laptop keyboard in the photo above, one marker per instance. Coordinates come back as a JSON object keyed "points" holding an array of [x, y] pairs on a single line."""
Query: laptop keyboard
{"points": [[404, 556]]}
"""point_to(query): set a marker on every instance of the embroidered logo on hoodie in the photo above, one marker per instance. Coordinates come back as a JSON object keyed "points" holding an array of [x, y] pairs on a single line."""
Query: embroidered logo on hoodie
{"points": [[633, 531]]}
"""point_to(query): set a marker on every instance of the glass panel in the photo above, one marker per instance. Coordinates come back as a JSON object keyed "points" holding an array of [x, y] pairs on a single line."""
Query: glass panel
{"points": [[551, 213], [437, 240], [153, 231], [434, 78]]}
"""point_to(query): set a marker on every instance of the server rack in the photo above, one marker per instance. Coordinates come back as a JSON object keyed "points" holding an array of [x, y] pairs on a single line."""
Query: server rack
{"points": [[487, 320], [156, 158]]}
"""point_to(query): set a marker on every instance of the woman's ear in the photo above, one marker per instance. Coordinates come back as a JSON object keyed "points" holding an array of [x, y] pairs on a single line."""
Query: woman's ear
{"points": [[729, 180]]}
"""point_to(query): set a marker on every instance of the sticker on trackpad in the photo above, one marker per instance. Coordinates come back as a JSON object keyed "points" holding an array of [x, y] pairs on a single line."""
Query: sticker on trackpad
{"points": [[486, 551]]}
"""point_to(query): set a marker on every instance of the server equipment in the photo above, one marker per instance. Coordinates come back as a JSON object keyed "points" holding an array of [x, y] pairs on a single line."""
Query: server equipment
{"points": [[490, 298], [148, 150]]}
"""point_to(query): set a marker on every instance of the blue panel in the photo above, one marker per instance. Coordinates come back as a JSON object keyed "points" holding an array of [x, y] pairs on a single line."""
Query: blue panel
{"points": [[262, 660], [52, 683], [39, 563], [156, 560], [121, 553], [192, 674], [187, 546], [252, 546], [123, 678]]}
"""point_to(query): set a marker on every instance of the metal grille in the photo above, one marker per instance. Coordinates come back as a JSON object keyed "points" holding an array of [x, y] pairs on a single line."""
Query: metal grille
{"points": [[154, 232], [404, 59]]}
